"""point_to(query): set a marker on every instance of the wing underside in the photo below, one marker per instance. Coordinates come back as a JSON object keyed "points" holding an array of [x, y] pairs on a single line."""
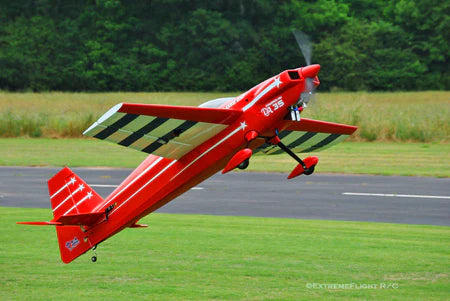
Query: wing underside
{"points": [[166, 131], [308, 136]]}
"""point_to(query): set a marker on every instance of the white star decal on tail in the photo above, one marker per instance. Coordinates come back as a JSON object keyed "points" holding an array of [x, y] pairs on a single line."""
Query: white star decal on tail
{"points": [[243, 125], [89, 195], [72, 181], [81, 187]]}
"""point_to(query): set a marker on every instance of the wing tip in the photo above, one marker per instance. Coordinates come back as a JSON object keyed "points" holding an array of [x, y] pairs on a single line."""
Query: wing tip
{"points": [[103, 118]]}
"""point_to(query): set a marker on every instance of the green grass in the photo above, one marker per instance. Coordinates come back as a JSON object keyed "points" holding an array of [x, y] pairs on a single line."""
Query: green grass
{"points": [[193, 257], [388, 116], [419, 159]]}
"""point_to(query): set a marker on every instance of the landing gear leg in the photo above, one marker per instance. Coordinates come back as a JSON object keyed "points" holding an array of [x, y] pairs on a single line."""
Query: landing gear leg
{"points": [[94, 258], [302, 168], [293, 155]]}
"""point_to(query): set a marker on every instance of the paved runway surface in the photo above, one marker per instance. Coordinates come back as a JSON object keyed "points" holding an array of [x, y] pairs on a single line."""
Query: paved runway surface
{"points": [[412, 200]]}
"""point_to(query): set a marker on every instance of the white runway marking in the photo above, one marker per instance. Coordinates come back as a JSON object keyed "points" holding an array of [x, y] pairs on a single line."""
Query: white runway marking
{"points": [[397, 195], [114, 186]]}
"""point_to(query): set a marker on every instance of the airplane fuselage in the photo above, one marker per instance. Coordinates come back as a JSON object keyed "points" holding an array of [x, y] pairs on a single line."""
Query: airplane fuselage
{"points": [[157, 180]]}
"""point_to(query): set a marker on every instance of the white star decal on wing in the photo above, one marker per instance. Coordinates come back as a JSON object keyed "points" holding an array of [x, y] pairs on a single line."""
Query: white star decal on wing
{"points": [[89, 195], [81, 187], [277, 82], [72, 180], [243, 125]]}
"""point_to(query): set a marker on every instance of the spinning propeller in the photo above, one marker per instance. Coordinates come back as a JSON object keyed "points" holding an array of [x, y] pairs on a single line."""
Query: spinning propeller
{"points": [[310, 71]]}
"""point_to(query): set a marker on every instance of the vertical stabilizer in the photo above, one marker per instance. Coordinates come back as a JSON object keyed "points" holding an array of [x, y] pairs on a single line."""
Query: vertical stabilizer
{"points": [[70, 195], [73, 202]]}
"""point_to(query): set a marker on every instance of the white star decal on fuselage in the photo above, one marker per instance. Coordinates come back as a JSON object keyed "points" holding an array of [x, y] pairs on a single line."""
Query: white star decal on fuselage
{"points": [[277, 82], [243, 125]]}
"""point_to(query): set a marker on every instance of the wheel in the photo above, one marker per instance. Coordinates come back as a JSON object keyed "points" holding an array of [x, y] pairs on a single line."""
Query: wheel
{"points": [[244, 164], [309, 170], [94, 258]]}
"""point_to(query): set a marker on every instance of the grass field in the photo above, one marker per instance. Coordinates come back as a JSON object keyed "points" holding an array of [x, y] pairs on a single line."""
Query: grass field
{"points": [[419, 159], [193, 257], [399, 116]]}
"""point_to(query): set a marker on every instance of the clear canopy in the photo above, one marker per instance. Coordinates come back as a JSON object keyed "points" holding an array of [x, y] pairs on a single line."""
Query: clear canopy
{"points": [[215, 103]]}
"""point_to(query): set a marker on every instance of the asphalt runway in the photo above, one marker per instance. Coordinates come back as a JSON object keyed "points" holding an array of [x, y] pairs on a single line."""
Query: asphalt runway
{"points": [[407, 200]]}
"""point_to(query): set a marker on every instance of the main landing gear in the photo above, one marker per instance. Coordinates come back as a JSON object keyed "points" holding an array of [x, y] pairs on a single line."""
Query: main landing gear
{"points": [[241, 158], [305, 166]]}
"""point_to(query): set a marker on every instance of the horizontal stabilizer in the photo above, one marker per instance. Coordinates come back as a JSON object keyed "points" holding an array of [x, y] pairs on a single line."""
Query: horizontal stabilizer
{"points": [[138, 226], [40, 223], [84, 219], [307, 136]]}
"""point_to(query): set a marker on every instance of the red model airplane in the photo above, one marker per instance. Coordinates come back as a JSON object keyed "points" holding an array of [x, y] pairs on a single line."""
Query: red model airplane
{"points": [[187, 145]]}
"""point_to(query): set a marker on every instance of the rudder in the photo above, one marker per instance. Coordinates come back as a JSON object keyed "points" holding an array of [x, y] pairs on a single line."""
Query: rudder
{"points": [[73, 202], [69, 194], [72, 242]]}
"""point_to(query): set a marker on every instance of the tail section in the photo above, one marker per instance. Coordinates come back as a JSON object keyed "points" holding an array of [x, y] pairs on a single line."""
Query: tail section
{"points": [[70, 195], [73, 203]]}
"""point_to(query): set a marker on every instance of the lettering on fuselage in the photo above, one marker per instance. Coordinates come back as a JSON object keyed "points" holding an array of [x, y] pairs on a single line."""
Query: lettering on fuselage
{"points": [[272, 106]]}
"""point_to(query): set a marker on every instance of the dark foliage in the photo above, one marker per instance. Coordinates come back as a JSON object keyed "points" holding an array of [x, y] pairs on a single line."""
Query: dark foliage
{"points": [[198, 45]]}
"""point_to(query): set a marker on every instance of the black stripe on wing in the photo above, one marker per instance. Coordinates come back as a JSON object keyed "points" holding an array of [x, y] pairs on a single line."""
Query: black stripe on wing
{"points": [[152, 125], [305, 137], [169, 136], [111, 129], [302, 139], [322, 143]]}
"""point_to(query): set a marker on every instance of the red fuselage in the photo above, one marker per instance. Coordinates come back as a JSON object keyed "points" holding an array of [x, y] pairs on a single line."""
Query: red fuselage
{"points": [[157, 181]]}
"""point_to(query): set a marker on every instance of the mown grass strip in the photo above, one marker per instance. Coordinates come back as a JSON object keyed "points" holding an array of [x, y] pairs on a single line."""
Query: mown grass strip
{"points": [[388, 116], [418, 159], [193, 257]]}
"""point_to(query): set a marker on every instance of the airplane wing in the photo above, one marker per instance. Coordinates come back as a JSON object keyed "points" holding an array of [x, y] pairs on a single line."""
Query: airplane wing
{"points": [[307, 135], [166, 131]]}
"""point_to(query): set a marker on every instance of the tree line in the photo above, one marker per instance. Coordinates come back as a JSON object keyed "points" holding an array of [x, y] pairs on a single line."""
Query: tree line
{"points": [[224, 45]]}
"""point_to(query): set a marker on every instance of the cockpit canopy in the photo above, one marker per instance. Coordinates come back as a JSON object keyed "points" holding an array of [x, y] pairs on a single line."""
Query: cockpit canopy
{"points": [[215, 103]]}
